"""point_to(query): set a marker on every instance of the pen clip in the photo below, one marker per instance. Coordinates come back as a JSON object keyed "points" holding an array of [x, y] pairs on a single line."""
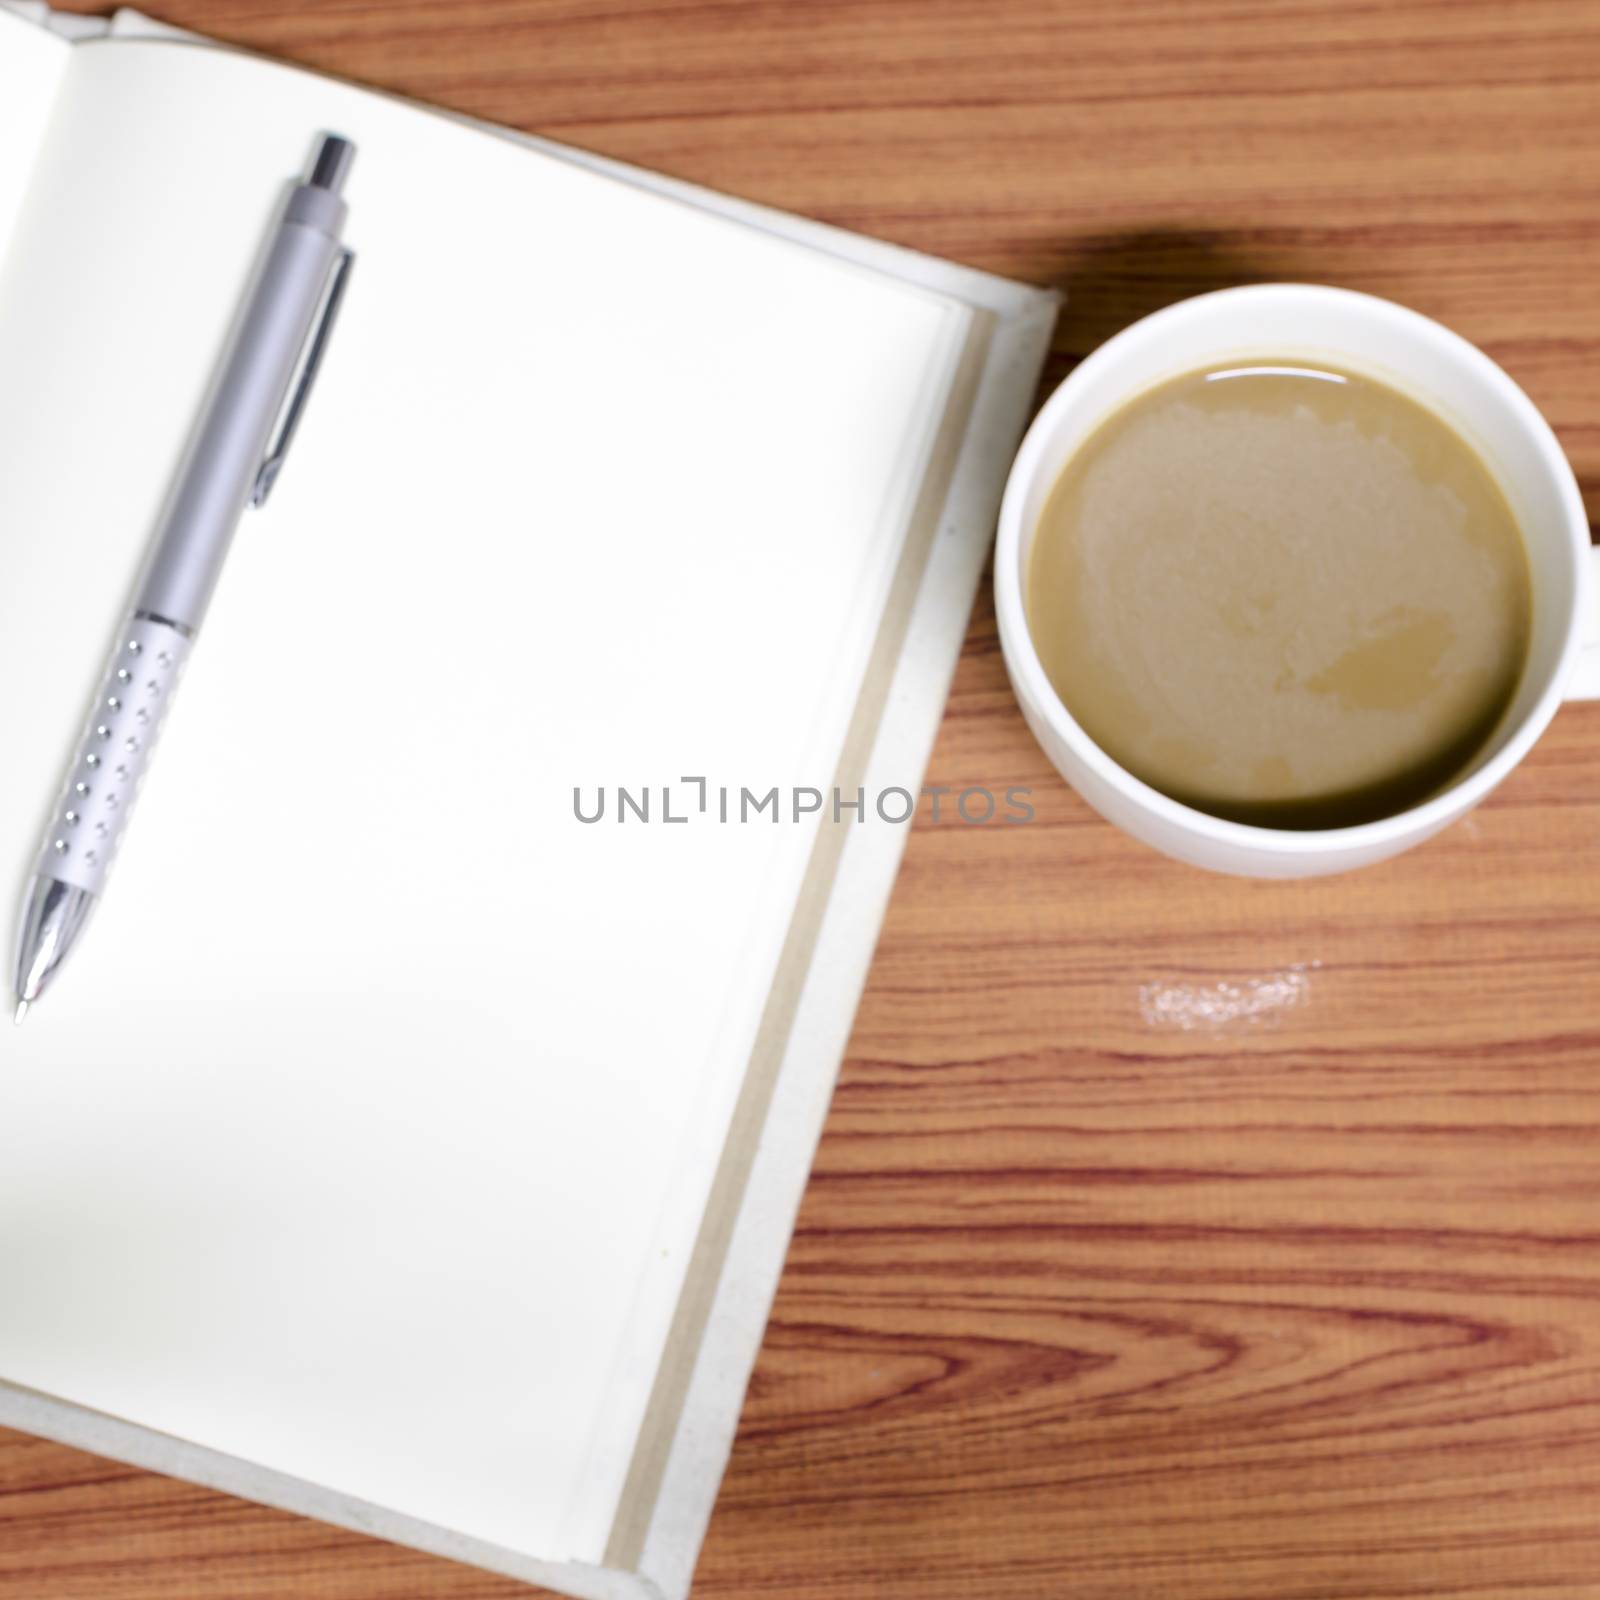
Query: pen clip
{"points": [[316, 345]]}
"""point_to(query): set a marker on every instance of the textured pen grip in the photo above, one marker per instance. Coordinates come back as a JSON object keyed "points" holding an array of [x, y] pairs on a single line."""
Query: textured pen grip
{"points": [[110, 759]]}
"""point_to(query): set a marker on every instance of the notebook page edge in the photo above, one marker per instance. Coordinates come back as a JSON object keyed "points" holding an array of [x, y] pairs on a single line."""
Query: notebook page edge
{"points": [[698, 1450], [592, 1512], [626, 1543]]}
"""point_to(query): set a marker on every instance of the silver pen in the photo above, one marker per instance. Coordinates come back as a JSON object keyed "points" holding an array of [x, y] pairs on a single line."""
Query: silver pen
{"points": [[232, 460]]}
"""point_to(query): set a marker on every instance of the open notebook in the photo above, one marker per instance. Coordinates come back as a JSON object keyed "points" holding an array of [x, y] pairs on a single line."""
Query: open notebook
{"points": [[401, 1149]]}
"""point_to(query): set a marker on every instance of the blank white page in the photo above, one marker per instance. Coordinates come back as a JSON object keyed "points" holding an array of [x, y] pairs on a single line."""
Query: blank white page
{"points": [[368, 1134]]}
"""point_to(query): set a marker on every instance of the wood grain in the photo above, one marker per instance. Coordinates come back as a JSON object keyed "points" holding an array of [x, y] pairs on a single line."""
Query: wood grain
{"points": [[1171, 1236]]}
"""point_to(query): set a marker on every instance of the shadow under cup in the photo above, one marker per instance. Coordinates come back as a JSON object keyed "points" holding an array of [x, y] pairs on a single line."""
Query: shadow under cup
{"points": [[1409, 353]]}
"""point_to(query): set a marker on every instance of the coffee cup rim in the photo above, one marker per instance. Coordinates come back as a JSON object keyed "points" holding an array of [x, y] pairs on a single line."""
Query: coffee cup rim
{"points": [[1023, 661]]}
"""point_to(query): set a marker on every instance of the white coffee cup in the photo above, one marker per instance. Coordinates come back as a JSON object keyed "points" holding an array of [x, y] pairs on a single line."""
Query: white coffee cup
{"points": [[1411, 353]]}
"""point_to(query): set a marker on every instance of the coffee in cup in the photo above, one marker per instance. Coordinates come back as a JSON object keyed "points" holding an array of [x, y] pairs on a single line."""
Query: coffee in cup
{"points": [[1282, 593]]}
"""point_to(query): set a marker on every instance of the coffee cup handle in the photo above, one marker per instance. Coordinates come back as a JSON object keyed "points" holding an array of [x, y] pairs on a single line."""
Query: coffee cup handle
{"points": [[1584, 684]]}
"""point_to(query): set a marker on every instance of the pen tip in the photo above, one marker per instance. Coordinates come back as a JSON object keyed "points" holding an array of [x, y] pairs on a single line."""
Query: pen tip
{"points": [[22, 1011]]}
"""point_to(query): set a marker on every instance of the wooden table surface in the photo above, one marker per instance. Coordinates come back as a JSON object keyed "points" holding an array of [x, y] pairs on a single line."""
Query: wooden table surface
{"points": [[1172, 1236]]}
